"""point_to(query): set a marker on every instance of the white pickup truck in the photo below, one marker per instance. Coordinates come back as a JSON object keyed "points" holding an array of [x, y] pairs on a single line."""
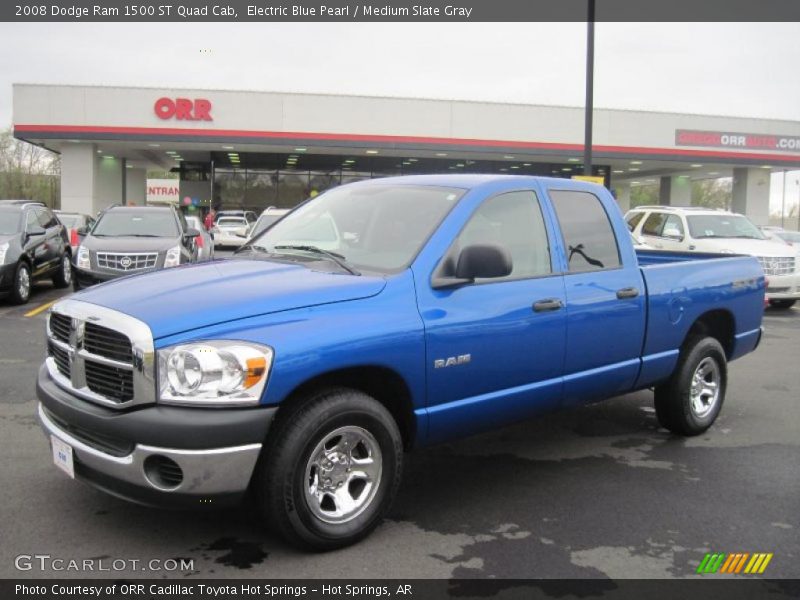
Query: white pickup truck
{"points": [[690, 229]]}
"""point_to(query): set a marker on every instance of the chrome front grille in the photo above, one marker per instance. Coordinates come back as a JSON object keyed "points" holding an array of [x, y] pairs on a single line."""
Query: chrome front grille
{"points": [[779, 265], [130, 261], [100, 355]]}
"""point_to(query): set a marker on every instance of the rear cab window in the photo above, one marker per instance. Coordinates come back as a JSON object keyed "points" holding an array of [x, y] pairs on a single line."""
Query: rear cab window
{"points": [[589, 238]]}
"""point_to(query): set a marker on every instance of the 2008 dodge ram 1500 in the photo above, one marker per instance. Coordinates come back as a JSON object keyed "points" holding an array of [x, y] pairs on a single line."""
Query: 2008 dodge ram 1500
{"points": [[374, 318]]}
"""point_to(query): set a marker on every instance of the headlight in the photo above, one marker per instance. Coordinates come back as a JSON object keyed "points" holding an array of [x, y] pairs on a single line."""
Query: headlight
{"points": [[82, 261], [213, 373], [3, 250], [173, 258]]}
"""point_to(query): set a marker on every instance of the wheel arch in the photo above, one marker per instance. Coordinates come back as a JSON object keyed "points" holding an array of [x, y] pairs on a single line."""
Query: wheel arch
{"points": [[381, 383], [719, 324]]}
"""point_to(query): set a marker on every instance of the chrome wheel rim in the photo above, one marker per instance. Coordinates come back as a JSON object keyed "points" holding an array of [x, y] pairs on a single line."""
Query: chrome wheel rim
{"points": [[24, 283], [66, 269], [705, 387], [343, 474]]}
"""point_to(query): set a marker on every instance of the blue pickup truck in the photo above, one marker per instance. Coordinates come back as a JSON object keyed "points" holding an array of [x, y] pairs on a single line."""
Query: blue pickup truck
{"points": [[378, 317]]}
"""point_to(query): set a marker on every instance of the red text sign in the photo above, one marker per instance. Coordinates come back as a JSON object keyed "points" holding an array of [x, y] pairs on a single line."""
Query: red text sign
{"points": [[183, 109]]}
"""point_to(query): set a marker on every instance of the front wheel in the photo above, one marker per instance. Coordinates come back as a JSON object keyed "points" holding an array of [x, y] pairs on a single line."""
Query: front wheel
{"points": [[782, 304], [691, 400], [21, 292], [330, 470]]}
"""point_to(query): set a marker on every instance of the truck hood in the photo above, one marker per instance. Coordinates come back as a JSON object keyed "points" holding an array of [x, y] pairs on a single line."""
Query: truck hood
{"points": [[175, 300], [745, 246]]}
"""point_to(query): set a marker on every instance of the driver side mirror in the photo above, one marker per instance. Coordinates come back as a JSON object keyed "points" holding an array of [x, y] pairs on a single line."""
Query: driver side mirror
{"points": [[191, 233], [82, 230], [478, 261], [673, 233]]}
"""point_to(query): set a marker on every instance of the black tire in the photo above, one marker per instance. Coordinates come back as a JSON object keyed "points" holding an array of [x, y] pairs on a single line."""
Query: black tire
{"points": [[677, 408], [21, 293], [282, 483], [782, 304], [63, 276]]}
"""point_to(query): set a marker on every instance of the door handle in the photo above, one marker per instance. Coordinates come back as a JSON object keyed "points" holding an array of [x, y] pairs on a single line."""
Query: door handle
{"points": [[629, 292], [547, 305]]}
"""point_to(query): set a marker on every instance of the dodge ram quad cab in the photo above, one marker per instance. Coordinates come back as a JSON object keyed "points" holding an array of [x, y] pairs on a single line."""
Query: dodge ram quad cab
{"points": [[378, 317]]}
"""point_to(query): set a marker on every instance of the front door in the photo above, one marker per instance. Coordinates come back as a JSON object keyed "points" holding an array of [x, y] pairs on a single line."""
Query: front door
{"points": [[495, 347]]}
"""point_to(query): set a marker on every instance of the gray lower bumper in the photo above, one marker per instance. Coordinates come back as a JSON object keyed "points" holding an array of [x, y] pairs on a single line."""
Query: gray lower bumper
{"points": [[209, 472]]}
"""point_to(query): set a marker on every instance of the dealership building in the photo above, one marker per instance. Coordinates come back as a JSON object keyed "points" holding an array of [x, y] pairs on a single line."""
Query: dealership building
{"points": [[255, 149]]}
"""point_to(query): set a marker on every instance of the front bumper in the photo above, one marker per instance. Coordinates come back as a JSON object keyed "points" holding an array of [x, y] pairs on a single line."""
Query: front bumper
{"points": [[120, 452], [7, 274], [86, 278], [783, 287], [228, 239]]}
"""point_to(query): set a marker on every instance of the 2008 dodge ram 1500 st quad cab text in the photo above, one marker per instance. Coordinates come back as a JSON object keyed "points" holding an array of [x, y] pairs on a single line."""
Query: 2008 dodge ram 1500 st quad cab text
{"points": [[380, 316]]}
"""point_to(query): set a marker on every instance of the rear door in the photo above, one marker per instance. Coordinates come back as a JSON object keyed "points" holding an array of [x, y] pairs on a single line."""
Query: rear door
{"points": [[605, 300]]}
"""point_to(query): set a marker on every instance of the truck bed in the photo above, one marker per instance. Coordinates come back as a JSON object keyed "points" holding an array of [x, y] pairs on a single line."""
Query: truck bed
{"points": [[684, 286]]}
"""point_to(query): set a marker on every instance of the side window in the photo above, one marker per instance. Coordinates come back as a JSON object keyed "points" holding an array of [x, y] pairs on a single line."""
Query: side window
{"points": [[673, 227], [46, 218], [654, 224], [182, 222], [588, 235], [31, 219], [633, 220], [513, 220]]}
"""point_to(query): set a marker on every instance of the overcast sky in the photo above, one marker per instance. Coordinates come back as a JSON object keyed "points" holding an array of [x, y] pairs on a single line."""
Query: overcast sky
{"points": [[740, 69]]}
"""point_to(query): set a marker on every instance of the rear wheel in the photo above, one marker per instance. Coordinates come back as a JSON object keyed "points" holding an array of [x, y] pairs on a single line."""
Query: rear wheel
{"points": [[21, 292], [782, 304], [63, 277], [691, 400], [330, 469]]}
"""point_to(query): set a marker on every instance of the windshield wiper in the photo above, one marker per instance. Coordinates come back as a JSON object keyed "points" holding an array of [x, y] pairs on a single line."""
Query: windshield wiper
{"points": [[339, 259]]}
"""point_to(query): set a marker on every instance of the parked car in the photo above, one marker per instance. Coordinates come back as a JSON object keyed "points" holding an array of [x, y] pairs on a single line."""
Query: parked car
{"points": [[248, 215], [230, 231], [454, 304], [133, 239], [33, 245], [270, 216], [73, 222], [204, 241], [714, 231], [782, 235]]}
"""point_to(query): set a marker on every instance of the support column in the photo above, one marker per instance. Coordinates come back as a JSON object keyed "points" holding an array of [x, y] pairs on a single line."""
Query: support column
{"points": [[622, 191], [136, 187], [78, 178], [675, 191], [109, 182], [751, 194]]}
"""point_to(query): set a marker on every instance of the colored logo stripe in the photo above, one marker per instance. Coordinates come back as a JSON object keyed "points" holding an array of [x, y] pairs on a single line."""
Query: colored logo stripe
{"points": [[721, 562]]}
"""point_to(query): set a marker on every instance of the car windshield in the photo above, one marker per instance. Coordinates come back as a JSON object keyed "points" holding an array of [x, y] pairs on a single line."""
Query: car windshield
{"points": [[373, 227], [232, 222], [723, 226], [70, 221], [793, 237], [136, 224], [9, 221], [194, 223], [263, 222]]}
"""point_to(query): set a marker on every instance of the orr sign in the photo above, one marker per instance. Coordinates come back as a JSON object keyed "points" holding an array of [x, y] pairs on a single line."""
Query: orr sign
{"points": [[183, 109], [744, 141]]}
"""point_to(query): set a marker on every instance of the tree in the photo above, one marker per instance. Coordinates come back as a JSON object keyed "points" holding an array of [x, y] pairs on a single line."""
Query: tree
{"points": [[713, 193], [28, 172], [644, 195]]}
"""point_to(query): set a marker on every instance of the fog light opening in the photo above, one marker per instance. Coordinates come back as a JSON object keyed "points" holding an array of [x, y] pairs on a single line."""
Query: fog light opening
{"points": [[162, 472]]}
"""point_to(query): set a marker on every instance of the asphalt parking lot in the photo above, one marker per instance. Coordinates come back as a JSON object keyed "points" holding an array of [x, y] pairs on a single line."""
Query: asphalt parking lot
{"points": [[599, 491]]}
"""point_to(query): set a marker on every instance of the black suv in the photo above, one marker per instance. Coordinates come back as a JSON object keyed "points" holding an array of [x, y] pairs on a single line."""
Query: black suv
{"points": [[133, 239], [33, 245]]}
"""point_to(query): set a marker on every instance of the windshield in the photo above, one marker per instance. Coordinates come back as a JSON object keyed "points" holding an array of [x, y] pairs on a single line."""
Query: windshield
{"points": [[793, 237], [373, 227], [263, 222], [231, 222], [9, 221], [135, 223], [723, 226], [70, 221]]}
